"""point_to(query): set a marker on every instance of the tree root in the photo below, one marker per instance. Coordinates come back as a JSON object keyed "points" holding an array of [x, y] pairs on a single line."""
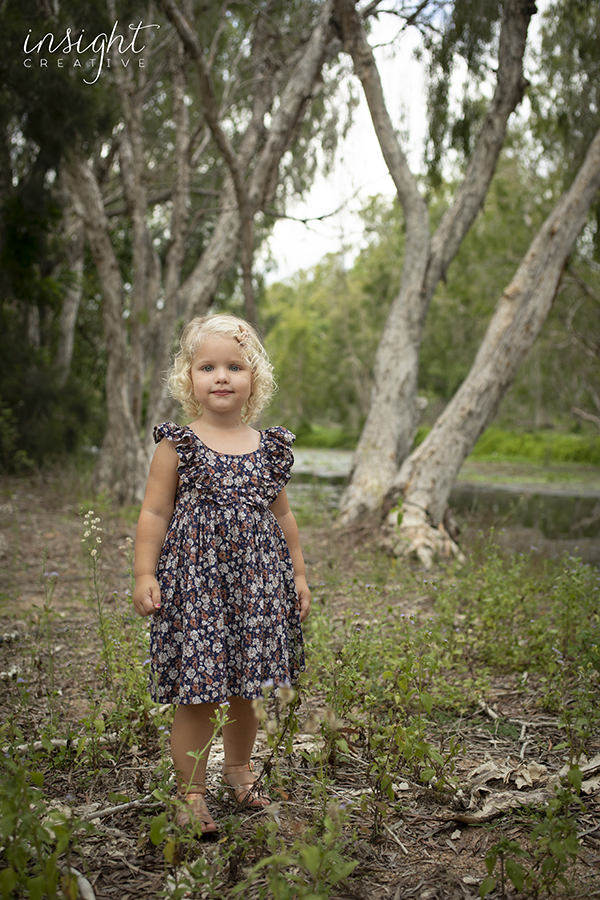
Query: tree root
{"points": [[416, 538]]}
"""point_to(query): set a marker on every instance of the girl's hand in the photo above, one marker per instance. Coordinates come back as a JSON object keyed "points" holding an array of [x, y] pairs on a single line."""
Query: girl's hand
{"points": [[146, 595], [303, 596]]}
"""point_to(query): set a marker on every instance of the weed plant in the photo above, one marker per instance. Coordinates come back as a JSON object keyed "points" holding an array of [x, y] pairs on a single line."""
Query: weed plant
{"points": [[555, 846], [398, 681], [380, 696], [37, 842]]}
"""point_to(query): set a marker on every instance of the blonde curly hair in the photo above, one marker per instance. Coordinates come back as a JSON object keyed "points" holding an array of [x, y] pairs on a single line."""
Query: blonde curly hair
{"points": [[179, 380]]}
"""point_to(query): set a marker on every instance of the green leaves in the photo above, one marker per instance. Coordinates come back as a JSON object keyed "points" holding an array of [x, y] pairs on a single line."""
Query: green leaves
{"points": [[158, 829], [554, 844], [33, 837]]}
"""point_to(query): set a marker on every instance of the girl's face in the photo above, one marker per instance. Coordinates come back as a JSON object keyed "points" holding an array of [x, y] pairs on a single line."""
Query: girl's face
{"points": [[221, 377]]}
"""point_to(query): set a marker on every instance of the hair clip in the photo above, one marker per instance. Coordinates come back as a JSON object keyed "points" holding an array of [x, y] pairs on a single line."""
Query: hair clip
{"points": [[242, 337]]}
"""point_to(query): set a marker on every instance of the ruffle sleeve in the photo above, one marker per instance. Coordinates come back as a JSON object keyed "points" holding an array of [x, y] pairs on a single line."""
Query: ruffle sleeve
{"points": [[277, 446], [191, 466]]}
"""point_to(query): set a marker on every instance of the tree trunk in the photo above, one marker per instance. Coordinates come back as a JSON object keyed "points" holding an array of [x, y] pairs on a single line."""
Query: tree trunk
{"points": [[122, 462], [426, 478], [265, 149], [75, 251], [144, 340], [394, 410]]}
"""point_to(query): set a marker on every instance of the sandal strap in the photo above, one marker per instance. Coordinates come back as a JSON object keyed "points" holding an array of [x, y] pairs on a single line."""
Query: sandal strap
{"points": [[193, 787], [232, 770], [249, 795]]}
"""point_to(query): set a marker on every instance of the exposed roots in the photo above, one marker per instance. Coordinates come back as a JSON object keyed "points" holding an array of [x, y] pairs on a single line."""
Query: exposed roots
{"points": [[416, 538]]}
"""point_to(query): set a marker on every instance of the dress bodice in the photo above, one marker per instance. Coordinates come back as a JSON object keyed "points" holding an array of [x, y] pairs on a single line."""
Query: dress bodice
{"points": [[253, 479]]}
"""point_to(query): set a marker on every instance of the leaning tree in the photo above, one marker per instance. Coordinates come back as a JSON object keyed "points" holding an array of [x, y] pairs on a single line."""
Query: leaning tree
{"points": [[385, 474]]}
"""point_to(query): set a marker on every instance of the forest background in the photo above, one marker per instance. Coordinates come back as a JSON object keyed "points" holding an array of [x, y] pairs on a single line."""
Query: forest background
{"points": [[444, 743], [322, 327]]}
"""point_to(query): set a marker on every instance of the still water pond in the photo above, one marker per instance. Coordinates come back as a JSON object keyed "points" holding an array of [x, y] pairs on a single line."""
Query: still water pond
{"points": [[526, 497]]}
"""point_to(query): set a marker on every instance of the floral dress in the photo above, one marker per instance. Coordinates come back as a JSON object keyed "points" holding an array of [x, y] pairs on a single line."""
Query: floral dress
{"points": [[229, 619]]}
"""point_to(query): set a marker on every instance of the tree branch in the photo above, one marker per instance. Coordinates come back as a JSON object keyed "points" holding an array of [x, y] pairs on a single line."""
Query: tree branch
{"points": [[210, 106], [356, 44], [213, 120], [588, 417], [427, 476], [510, 87]]}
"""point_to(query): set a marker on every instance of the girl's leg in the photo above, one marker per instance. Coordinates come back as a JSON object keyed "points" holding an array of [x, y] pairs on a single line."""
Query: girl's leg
{"points": [[192, 732], [239, 735]]}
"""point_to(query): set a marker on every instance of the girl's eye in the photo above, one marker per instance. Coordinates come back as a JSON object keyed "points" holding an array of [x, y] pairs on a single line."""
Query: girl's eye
{"points": [[206, 369], [235, 368]]}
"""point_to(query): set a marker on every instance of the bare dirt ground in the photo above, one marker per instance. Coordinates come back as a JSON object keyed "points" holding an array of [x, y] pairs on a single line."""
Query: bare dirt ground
{"points": [[431, 847]]}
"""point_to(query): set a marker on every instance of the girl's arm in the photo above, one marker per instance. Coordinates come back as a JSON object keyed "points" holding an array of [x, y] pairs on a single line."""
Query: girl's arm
{"points": [[155, 516], [284, 515]]}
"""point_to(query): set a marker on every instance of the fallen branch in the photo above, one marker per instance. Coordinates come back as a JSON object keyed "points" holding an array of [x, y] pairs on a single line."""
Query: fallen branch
{"points": [[122, 807], [58, 743], [487, 710]]}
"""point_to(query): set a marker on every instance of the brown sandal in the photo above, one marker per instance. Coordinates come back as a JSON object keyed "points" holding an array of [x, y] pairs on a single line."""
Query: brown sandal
{"points": [[244, 794], [195, 812]]}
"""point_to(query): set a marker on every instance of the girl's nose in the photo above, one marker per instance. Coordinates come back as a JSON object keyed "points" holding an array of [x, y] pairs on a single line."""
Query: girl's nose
{"points": [[221, 375]]}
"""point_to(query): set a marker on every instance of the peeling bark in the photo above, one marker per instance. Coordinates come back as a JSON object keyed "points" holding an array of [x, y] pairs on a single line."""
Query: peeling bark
{"points": [[122, 462], [394, 410], [74, 252], [425, 480]]}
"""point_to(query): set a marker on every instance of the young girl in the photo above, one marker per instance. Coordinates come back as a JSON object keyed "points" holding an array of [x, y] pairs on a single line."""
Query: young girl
{"points": [[218, 562]]}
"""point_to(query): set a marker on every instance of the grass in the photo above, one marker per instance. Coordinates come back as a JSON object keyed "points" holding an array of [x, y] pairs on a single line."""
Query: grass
{"points": [[545, 447], [325, 437], [528, 472], [393, 715]]}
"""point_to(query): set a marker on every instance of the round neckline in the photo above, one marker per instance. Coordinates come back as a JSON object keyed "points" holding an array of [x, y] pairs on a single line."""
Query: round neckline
{"points": [[232, 455]]}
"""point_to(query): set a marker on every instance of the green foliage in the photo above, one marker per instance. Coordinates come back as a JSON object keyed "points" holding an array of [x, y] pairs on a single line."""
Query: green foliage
{"points": [[398, 691], [541, 446], [309, 868], [467, 30], [124, 652], [12, 457], [44, 112], [391, 677], [35, 839], [566, 95], [383, 678], [322, 330], [504, 614], [44, 419], [555, 846], [326, 437]]}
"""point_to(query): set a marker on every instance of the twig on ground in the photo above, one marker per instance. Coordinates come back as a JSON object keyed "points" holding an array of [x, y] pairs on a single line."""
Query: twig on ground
{"points": [[395, 838], [488, 710], [122, 807]]}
